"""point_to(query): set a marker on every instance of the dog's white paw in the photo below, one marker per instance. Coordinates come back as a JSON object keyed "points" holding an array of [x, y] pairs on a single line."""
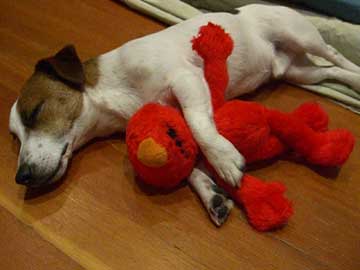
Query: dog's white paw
{"points": [[216, 201], [219, 205], [226, 160]]}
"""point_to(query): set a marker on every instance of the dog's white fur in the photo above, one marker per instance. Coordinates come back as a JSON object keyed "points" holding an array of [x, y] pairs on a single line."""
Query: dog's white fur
{"points": [[270, 43]]}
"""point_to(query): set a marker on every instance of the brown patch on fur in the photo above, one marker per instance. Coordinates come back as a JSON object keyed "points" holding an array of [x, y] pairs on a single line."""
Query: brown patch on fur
{"points": [[48, 104], [65, 65], [91, 69]]}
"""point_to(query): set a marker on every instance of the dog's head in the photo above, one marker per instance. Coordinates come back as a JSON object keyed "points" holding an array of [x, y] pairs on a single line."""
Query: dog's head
{"points": [[45, 117]]}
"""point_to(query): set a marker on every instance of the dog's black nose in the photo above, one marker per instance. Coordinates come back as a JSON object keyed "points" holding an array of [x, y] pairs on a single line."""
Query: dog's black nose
{"points": [[23, 175]]}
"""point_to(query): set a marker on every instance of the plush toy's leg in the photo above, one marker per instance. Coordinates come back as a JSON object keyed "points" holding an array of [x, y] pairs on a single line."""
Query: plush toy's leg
{"points": [[313, 115], [331, 148], [309, 113], [272, 148], [215, 199]]}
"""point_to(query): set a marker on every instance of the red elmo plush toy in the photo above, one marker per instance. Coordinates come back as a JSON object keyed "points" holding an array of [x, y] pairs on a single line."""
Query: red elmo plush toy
{"points": [[163, 151]]}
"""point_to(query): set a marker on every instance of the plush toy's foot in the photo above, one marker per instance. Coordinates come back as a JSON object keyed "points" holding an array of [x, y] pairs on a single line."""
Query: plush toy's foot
{"points": [[333, 149], [265, 204], [312, 115], [330, 148]]}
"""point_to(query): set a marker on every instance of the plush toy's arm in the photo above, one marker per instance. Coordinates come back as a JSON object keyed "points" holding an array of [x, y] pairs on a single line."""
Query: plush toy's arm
{"points": [[214, 46], [265, 205]]}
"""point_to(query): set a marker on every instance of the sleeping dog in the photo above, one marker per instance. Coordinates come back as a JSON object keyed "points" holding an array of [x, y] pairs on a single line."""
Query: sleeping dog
{"points": [[66, 103]]}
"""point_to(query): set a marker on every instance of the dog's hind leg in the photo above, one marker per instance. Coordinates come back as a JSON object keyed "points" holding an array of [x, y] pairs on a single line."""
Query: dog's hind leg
{"points": [[302, 37], [315, 45], [304, 72], [215, 199], [332, 55]]}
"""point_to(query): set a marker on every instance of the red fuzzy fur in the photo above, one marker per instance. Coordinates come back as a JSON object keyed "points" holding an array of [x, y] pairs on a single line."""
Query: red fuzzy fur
{"points": [[257, 132], [156, 122], [264, 202], [214, 46]]}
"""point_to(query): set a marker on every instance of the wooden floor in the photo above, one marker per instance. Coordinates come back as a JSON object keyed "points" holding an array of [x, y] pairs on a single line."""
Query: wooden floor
{"points": [[100, 219]]}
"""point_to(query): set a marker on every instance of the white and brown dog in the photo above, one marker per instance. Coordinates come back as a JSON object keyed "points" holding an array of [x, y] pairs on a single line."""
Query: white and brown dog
{"points": [[65, 103]]}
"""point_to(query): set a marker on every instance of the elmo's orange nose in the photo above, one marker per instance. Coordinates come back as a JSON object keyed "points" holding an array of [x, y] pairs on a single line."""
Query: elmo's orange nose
{"points": [[152, 154]]}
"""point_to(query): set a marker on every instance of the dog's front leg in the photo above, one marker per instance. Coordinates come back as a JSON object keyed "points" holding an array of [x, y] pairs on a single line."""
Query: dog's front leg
{"points": [[215, 200], [192, 92]]}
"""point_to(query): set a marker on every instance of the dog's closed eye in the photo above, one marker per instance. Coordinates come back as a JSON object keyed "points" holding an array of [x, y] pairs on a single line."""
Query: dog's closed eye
{"points": [[29, 118]]}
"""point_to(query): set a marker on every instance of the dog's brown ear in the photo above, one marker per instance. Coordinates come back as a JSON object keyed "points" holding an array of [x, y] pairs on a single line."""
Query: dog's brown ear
{"points": [[66, 65]]}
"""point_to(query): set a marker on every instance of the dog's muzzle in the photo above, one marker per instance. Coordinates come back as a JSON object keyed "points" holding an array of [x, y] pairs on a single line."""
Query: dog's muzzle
{"points": [[24, 175], [29, 175]]}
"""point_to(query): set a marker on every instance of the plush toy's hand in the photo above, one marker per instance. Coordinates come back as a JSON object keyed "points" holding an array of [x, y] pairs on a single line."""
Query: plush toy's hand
{"points": [[226, 160], [266, 206], [265, 203]]}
